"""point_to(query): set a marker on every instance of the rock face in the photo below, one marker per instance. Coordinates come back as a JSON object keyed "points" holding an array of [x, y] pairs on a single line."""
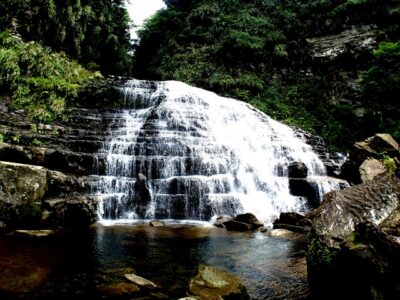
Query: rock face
{"points": [[360, 38], [25, 192], [355, 247], [213, 284], [22, 188]]}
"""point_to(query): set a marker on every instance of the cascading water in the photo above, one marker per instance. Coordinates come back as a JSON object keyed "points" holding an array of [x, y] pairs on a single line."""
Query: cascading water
{"points": [[185, 153]]}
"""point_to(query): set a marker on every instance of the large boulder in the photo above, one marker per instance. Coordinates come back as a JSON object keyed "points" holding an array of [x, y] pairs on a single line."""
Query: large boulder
{"points": [[355, 246], [250, 219], [375, 147], [73, 212], [213, 284], [22, 188], [293, 221]]}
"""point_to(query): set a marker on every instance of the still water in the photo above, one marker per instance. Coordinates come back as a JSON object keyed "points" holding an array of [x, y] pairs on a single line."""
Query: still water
{"points": [[91, 264]]}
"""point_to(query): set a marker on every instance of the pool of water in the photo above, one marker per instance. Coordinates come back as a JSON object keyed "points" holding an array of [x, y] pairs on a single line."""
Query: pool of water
{"points": [[92, 263]]}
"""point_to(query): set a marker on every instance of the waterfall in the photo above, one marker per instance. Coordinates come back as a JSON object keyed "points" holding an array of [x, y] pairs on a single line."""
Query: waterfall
{"points": [[185, 153]]}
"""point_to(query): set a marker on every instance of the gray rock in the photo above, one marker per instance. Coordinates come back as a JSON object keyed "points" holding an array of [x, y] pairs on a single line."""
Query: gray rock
{"points": [[212, 283], [355, 246], [140, 281], [250, 219], [370, 168]]}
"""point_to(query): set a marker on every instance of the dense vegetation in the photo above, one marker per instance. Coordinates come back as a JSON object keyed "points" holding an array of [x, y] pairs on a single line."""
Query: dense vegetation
{"points": [[43, 45], [40, 81], [94, 32], [257, 51]]}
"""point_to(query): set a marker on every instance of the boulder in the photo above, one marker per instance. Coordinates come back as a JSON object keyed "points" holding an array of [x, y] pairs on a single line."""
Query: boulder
{"points": [[355, 246], [376, 147], [250, 219], [281, 233], [370, 168], [220, 220], [213, 284], [297, 170], [140, 281], [237, 226], [22, 188], [293, 221], [73, 211]]}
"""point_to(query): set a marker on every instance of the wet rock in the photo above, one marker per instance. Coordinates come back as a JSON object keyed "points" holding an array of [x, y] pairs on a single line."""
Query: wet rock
{"points": [[297, 170], [304, 188], [293, 221], [355, 246], [370, 168], [157, 223], [237, 226], [140, 281], [220, 220], [281, 233], [250, 219], [211, 283]]}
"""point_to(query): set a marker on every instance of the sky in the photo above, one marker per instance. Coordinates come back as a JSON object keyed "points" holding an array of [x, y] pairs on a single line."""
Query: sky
{"points": [[140, 10]]}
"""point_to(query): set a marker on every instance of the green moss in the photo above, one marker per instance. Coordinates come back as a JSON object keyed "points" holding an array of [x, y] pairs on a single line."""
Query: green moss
{"points": [[389, 164], [319, 254]]}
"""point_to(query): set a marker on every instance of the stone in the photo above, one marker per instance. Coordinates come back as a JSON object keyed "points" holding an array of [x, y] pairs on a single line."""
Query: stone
{"points": [[305, 188], [376, 147], [293, 221], [281, 233], [22, 188], [250, 219], [214, 284], [220, 220], [297, 170], [74, 211], [354, 249], [237, 226], [380, 143], [370, 168], [140, 281], [341, 210], [157, 223]]}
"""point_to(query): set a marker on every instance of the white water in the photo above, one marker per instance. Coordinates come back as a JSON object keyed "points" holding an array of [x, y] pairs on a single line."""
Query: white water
{"points": [[202, 155]]}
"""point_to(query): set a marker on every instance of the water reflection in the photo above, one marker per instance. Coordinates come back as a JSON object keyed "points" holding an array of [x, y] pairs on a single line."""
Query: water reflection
{"points": [[93, 263]]}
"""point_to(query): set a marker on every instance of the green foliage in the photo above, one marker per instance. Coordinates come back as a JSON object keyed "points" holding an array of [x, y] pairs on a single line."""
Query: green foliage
{"points": [[389, 164], [381, 87], [42, 82], [94, 32]]}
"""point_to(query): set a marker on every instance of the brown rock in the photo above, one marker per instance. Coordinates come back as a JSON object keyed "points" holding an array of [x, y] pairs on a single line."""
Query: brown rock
{"points": [[140, 281]]}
